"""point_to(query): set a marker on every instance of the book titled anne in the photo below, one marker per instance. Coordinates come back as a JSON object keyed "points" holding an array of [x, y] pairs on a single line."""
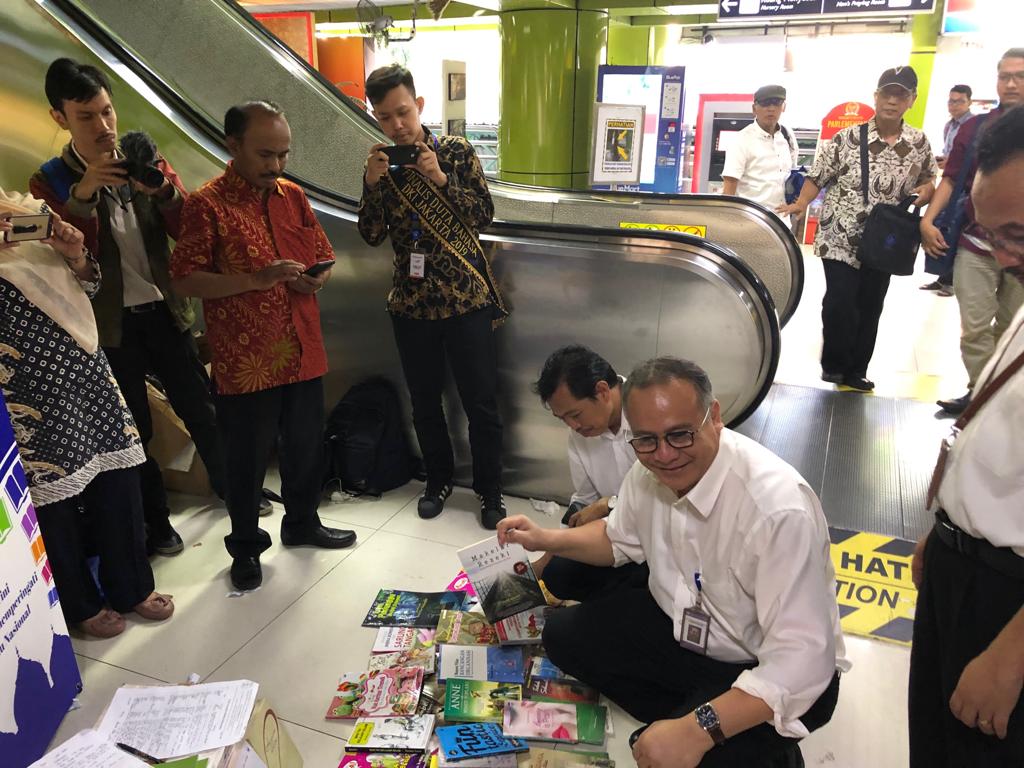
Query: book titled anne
{"points": [[397, 607], [467, 740], [503, 578]]}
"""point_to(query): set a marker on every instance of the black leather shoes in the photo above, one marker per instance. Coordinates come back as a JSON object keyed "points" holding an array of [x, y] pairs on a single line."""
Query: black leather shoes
{"points": [[321, 536], [956, 405], [266, 507], [167, 543], [246, 573], [831, 378], [858, 383]]}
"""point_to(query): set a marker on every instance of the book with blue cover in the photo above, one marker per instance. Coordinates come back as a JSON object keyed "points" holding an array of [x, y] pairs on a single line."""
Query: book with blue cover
{"points": [[460, 742], [482, 662]]}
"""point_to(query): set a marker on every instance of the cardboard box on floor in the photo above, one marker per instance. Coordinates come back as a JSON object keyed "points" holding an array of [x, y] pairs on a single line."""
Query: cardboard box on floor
{"points": [[269, 740], [172, 447]]}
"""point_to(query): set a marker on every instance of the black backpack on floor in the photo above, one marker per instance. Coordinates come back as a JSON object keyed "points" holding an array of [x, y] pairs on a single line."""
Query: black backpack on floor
{"points": [[365, 443]]}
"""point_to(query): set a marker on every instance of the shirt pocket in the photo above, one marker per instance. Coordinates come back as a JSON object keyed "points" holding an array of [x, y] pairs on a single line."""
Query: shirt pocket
{"points": [[296, 242]]}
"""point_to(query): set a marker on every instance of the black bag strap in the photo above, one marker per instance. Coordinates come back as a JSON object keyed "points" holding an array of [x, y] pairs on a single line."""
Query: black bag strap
{"points": [[864, 162]]}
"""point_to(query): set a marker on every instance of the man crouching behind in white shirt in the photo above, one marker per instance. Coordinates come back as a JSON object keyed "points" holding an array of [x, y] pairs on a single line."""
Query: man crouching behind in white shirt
{"points": [[733, 652]]}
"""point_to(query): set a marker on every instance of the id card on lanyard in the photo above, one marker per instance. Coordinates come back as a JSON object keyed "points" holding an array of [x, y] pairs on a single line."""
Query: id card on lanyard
{"points": [[696, 624], [417, 257]]}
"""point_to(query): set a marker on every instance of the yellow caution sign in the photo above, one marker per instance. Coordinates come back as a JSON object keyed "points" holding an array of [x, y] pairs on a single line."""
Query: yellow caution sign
{"points": [[700, 230], [874, 590]]}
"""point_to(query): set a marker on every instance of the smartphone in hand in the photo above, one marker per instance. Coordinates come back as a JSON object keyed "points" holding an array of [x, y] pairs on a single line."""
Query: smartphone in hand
{"points": [[29, 226], [402, 154], [319, 268]]}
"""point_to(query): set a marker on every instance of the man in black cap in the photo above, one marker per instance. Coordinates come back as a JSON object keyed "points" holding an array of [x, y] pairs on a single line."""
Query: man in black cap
{"points": [[759, 160], [900, 157]]}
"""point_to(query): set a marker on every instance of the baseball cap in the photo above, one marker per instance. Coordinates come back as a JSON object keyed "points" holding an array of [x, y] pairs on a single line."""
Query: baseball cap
{"points": [[766, 92], [905, 77]]}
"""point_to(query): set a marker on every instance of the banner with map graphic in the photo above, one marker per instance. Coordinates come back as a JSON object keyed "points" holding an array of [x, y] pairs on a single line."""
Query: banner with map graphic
{"points": [[38, 673]]}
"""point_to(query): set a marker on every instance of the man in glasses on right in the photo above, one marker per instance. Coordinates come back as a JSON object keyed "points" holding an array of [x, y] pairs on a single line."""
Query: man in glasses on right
{"points": [[731, 653]]}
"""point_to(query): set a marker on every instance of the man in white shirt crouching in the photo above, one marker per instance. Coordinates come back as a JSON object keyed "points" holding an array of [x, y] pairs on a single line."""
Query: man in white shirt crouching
{"points": [[733, 652]]}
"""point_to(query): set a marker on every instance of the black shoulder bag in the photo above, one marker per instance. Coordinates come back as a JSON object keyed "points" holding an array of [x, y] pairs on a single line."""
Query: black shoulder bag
{"points": [[892, 233]]}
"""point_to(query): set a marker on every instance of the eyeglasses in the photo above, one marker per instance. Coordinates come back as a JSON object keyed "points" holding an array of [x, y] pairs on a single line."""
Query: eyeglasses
{"points": [[1018, 77], [1011, 245], [678, 438], [771, 102], [957, 101]]}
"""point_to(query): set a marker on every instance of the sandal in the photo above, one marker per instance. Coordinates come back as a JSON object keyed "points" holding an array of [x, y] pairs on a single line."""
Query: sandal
{"points": [[105, 624], [156, 607]]}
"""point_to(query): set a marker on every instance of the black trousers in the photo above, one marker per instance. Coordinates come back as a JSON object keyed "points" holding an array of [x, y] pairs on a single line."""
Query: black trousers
{"points": [[293, 416], [961, 606], [467, 342], [570, 580], [849, 316], [107, 515], [152, 344], [622, 644]]}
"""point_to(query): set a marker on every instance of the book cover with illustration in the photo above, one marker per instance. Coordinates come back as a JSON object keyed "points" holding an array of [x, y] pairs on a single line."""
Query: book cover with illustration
{"points": [[590, 721], [391, 639], [382, 760], [502, 577], [481, 662], [468, 740], [461, 583], [394, 691], [556, 758], [397, 607], [465, 628], [546, 721], [414, 657], [409, 733], [478, 701], [566, 689], [541, 667], [523, 628], [493, 761]]}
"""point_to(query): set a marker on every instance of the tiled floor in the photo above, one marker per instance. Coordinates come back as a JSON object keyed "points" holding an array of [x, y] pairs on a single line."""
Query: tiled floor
{"points": [[301, 629]]}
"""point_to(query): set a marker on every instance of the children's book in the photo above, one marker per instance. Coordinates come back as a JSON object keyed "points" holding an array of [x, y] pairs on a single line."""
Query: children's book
{"points": [[394, 691], [481, 662], [396, 607], [391, 639], [478, 701], [494, 761], [566, 689], [408, 733], [459, 742], [382, 760], [414, 657], [502, 577], [465, 628], [547, 721], [591, 719], [551, 758], [523, 628], [461, 583]]}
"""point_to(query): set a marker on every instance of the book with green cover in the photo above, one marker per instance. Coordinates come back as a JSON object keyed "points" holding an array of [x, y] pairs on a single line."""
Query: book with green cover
{"points": [[478, 701], [590, 722]]}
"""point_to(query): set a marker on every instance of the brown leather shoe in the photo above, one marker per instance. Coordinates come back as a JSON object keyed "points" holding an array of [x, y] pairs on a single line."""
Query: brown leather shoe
{"points": [[156, 607], [107, 623]]}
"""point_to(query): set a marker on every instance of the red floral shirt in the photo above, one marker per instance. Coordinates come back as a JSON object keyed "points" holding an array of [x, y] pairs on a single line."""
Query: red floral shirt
{"points": [[259, 339]]}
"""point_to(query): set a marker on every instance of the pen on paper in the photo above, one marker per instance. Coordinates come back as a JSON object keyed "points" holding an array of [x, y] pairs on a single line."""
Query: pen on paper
{"points": [[138, 753]]}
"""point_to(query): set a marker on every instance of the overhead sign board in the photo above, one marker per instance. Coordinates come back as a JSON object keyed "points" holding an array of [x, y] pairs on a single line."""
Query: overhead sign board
{"points": [[730, 10]]}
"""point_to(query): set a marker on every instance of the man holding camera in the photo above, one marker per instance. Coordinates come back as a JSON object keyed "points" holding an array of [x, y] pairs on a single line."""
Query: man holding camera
{"points": [[253, 251], [127, 208], [430, 195]]}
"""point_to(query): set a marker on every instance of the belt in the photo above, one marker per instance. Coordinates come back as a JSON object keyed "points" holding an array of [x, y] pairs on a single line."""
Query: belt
{"points": [[1001, 559], [138, 309]]}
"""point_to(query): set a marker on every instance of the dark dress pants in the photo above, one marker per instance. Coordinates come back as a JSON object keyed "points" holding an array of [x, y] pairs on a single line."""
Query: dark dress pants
{"points": [[961, 606], [571, 580], [849, 316], [152, 343], [292, 415], [108, 515], [467, 342], [622, 644]]}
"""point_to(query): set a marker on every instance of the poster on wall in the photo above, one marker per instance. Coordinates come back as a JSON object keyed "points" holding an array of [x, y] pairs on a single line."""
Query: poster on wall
{"points": [[38, 673], [618, 144]]}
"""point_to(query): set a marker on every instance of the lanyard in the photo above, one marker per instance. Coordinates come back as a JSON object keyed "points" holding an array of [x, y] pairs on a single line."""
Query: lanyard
{"points": [[700, 590]]}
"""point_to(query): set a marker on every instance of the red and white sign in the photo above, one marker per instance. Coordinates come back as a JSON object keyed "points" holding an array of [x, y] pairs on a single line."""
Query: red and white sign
{"points": [[843, 116]]}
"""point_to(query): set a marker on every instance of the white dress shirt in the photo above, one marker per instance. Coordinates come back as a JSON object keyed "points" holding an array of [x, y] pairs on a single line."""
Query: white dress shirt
{"points": [[982, 490], [760, 162], [599, 464], [755, 532]]}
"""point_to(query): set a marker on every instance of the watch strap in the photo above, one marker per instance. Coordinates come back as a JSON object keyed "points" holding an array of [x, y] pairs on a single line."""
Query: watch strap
{"points": [[707, 719]]}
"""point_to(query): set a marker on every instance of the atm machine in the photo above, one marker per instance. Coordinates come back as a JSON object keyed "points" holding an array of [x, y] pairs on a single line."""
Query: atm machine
{"points": [[720, 117]]}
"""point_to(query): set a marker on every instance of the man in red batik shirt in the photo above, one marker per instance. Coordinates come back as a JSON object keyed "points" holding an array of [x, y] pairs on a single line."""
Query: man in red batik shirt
{"points": [[247, 238]]}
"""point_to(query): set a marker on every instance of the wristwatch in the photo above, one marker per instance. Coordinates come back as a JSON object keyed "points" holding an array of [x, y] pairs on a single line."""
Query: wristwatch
{"points": [[707, 719], [612, 502]]}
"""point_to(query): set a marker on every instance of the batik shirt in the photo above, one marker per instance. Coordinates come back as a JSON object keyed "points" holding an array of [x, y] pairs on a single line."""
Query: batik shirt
{"points": [[893, 173], [448, 288], [259, 339]]}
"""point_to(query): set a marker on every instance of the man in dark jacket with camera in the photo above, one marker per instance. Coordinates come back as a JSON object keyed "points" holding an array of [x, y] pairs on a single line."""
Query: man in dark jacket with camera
{"points": [[127, 200]]}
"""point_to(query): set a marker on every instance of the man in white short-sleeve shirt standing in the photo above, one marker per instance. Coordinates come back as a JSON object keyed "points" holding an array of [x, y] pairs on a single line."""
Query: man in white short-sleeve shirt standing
{"points": [[762, 154], [732, 653]]}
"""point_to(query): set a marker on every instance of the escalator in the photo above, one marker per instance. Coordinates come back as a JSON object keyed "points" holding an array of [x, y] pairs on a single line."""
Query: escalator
{"points": [[630, 294]]}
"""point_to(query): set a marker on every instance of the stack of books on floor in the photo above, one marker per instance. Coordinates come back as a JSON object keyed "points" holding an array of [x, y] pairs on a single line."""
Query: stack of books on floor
{"points": [[458, 679]]}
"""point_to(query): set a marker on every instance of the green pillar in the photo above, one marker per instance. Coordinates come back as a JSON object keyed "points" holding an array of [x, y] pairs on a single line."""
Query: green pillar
{"points": [[628, 46], [924, 32], [549, 61], [660, 40]]}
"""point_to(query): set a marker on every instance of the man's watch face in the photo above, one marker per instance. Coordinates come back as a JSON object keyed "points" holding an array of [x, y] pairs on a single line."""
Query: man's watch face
{"points": [[707, 718]]}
